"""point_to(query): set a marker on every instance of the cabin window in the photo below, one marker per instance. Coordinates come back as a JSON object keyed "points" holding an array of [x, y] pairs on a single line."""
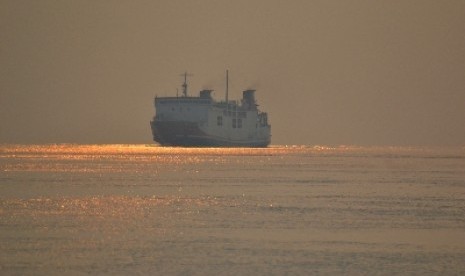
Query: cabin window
{"points": [[219, 120], [236, 123]]}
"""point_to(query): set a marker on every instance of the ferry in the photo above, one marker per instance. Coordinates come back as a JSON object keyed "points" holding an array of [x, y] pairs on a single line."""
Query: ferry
{"points": [[201, 121]]}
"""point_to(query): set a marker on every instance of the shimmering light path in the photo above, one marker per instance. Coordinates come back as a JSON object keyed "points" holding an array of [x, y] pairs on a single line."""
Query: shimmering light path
{"points": [[125, 209]]}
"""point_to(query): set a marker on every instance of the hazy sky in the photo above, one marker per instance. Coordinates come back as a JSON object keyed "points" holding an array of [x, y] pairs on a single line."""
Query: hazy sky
{"points": [[327, 72]]}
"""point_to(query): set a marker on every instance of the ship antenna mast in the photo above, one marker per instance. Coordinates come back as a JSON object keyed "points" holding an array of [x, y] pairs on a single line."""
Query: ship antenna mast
{"points": [[184, 85], [227, 87]]}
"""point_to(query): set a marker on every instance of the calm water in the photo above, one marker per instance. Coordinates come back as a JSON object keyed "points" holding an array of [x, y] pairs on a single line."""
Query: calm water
{"points": [[137, 209]]}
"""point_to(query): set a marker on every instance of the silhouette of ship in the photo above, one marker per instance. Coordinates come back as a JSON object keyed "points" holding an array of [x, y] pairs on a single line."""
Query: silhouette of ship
{"points": [[203, 122]]}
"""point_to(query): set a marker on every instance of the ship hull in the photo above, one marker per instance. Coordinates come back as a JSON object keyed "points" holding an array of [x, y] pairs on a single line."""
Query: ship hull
{"points": [[188, 134]]}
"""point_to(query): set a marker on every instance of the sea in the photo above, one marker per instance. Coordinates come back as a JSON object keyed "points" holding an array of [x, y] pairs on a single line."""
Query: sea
{"points": [[68, 209]]}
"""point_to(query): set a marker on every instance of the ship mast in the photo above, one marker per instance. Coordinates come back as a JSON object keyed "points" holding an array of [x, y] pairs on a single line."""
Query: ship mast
{"points": [[184, 85], [227, 87]]}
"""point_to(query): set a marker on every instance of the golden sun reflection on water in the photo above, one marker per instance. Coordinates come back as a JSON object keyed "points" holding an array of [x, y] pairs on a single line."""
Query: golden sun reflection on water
{"points": [[111, 158], [136, 157], [73, 151], [114, 157]]}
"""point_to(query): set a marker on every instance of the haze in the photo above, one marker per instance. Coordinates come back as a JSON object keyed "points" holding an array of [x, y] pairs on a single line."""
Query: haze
{"points": [[327, 72]]}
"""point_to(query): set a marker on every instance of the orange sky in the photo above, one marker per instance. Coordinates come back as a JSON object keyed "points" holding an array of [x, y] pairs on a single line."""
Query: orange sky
{"points": [[327, 72]]}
